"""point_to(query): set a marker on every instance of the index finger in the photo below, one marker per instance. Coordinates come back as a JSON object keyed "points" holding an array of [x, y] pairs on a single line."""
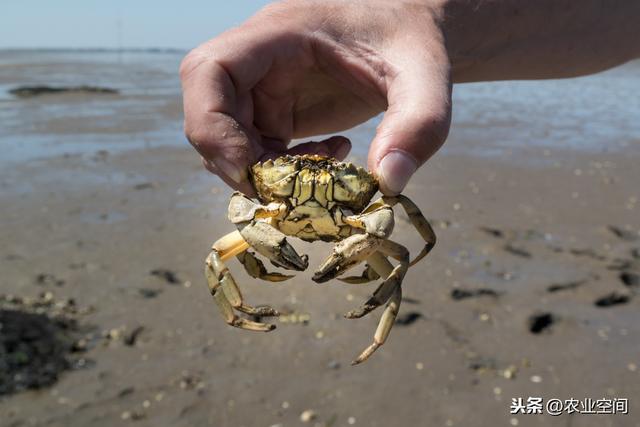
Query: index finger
{"points": [[216, 83]]}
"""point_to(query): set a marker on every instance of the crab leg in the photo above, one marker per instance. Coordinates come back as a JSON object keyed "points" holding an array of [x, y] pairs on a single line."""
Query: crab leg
{"points": [[418, 220], [368, 275], [256, 269], [384, 326], [223, 287], [394, 276], [391, 284], [230, 245], [382, 293]]}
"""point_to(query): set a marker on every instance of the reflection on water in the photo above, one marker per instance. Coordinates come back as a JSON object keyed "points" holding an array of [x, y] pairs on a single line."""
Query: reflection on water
{"points": [[596, 113]]}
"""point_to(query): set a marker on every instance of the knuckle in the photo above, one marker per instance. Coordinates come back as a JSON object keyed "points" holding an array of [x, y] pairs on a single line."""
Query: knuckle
{"points": [[195, 134], [191, 61]]}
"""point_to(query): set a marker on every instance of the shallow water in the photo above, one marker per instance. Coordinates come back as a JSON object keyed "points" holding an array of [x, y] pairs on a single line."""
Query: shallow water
{"points": [[597, 113]]}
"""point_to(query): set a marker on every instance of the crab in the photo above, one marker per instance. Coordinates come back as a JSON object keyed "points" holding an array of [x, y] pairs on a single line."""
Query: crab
{"points": [[313, 198]]}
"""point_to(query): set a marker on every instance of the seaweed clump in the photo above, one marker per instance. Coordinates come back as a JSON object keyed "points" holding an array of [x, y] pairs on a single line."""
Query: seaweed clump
{"points": [[39, 339]]}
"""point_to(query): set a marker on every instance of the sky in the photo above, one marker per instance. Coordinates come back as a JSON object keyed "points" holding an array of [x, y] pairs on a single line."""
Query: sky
{"points": [[179, 24]]}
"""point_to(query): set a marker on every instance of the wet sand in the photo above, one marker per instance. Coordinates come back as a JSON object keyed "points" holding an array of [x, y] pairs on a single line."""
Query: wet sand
{"points": [[530, 291]]}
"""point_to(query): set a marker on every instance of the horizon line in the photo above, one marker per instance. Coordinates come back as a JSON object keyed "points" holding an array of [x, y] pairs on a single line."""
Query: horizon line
{"points": [[96, 49]]}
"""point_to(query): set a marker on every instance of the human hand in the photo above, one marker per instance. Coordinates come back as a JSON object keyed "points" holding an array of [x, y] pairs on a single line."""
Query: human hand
{"points": [[300, 68]]}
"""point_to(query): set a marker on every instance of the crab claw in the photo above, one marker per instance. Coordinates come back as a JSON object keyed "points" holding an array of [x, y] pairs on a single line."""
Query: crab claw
{"points": [[288, 258], [346, 254], [273, 244], [330, 269]]}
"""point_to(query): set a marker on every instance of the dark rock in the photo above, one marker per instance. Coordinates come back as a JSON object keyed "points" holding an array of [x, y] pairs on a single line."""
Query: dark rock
{"points": [[629, 279], [31, 91], [589, 253], [480, 363], [612, 299], [149, 293], [168, 275], [46, 279], [623, 234], [460, 294], [540, 322], [144, 186], [126, 391], [557, 287], [131, 338], [409, 318], [513, 250], [494, 232]]}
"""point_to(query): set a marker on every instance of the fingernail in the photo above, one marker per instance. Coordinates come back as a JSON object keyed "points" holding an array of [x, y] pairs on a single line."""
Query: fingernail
{"points": [[232, 171], [396, 168]]}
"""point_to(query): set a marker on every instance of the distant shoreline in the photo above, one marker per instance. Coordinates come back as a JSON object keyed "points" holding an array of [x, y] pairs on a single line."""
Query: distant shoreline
{"points": [[94, 49]]}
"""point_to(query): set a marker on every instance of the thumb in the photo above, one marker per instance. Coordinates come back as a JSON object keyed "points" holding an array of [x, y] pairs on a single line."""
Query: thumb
{"points": [[415, 124]]}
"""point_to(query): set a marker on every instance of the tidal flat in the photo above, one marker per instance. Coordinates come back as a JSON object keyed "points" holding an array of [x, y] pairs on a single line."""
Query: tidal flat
{"points": [[533, 289]]}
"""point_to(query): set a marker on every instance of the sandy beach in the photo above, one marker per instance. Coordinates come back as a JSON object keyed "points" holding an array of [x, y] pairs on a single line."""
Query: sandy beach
{"points": [[106, 215]]}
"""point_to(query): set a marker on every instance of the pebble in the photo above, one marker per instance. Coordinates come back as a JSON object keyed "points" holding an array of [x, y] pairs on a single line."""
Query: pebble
{"points": [[510, 372], [536, 379], [320, 335], [308, 416], [632, 367], [351, 420], [419, 366], [113, 334]]}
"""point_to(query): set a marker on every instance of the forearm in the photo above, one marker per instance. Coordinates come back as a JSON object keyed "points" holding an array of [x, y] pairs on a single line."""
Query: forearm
{"points": [[525, 39]]}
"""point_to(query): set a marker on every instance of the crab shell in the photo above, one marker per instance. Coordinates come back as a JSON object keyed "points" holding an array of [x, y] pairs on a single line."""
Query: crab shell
{"points": [[312, 179]]}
